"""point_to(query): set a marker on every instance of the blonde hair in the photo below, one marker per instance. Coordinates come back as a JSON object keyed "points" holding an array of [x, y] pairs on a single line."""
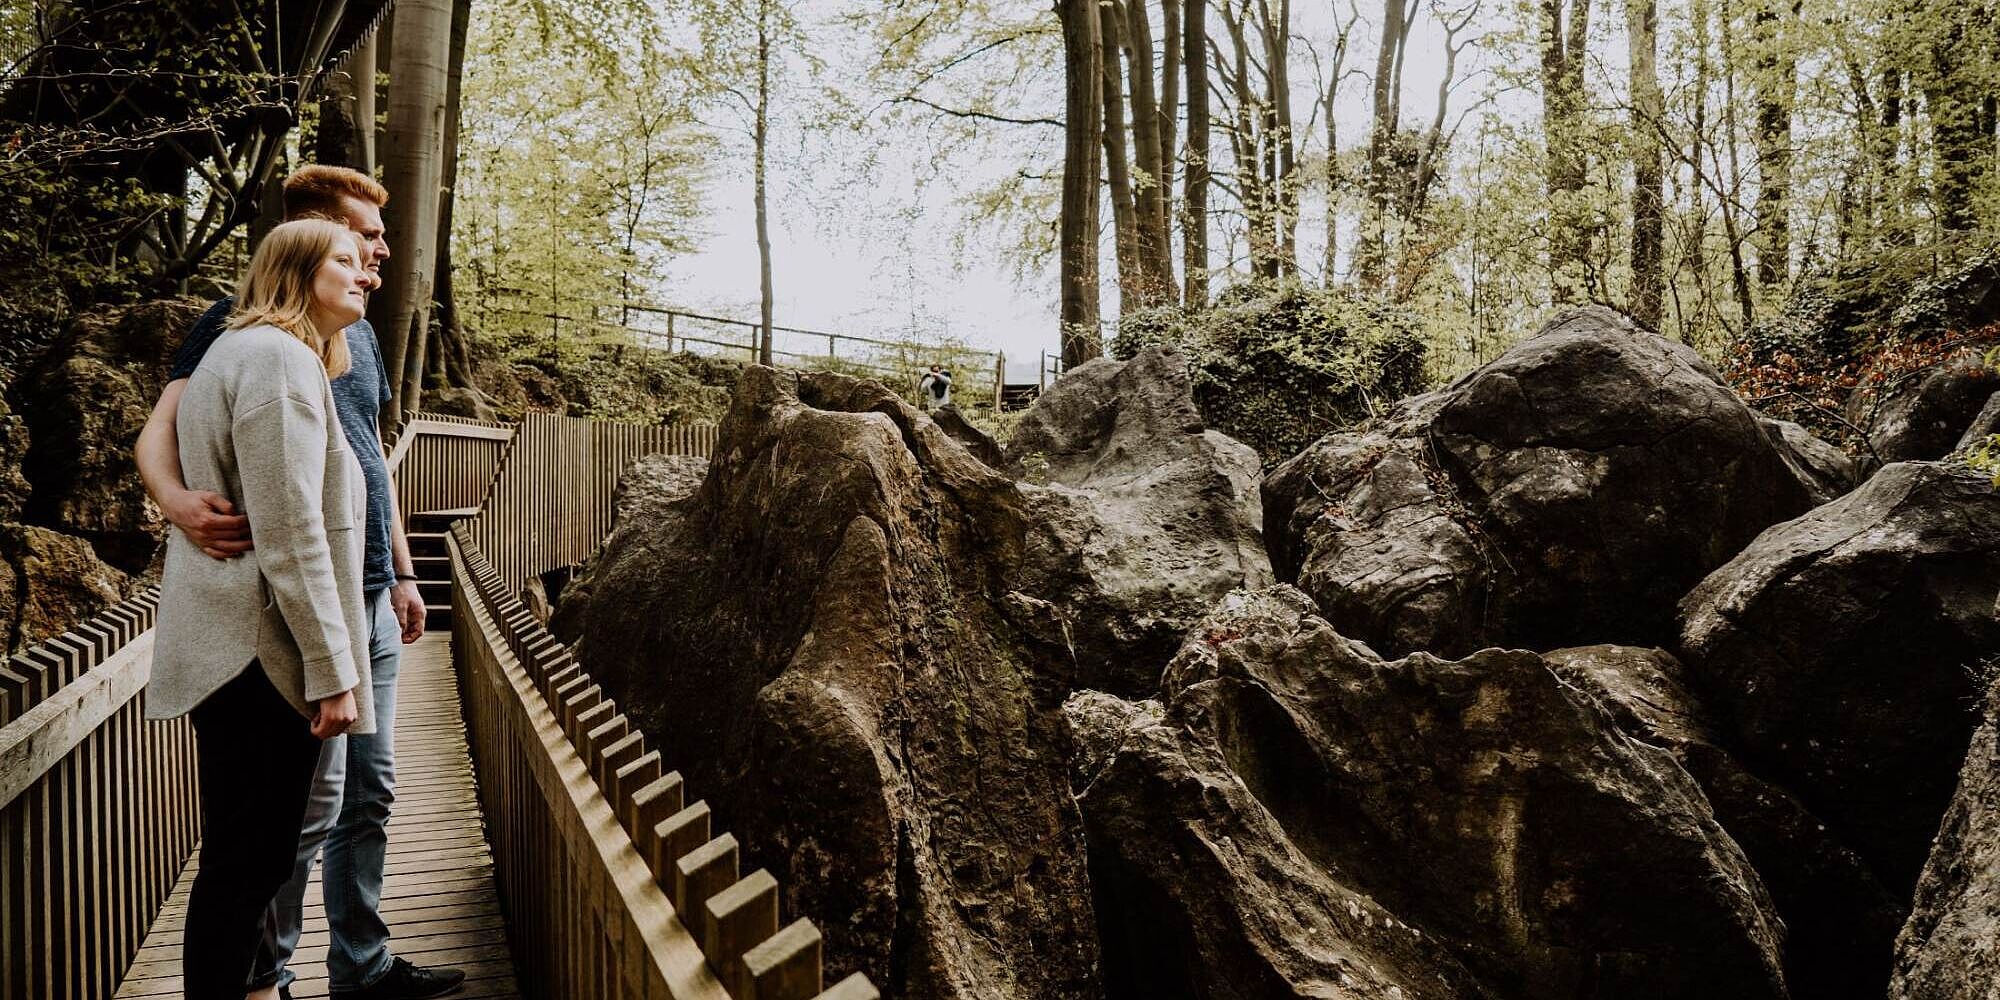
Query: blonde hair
{"points": [[278, 287]]}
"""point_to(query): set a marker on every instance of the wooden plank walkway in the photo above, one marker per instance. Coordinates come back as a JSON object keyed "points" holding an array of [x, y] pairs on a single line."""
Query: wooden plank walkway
{"points": [[439, 897]]}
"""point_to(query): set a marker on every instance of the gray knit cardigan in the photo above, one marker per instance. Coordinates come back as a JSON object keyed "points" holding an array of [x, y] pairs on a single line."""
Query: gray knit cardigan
{"points": [[256, 424]]}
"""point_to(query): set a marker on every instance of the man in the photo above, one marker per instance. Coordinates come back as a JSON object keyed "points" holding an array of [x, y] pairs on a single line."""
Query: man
{"points": [[349, 810], [934, 389]]}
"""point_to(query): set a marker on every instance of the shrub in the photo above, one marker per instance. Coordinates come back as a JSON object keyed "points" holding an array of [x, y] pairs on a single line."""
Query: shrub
{"points": [[1277, 367]]}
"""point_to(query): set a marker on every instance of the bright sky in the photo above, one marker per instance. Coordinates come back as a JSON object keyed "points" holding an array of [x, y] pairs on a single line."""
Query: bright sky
{"points": [[889, 269]]}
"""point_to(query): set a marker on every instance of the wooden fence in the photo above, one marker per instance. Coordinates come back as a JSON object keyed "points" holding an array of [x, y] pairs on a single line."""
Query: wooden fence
{"points": [[613, 885], [99, 808], [551, 504], [977, 373]]}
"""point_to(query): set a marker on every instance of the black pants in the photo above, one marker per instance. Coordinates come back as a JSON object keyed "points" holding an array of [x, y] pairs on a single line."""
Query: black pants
{"points": [[257, 756]]}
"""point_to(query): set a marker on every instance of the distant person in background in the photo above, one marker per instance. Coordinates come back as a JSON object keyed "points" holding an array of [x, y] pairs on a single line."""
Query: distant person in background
{"points": [[934, 389]]}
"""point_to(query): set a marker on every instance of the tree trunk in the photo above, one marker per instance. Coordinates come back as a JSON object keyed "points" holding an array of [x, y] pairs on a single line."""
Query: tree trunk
{"points": [[1695, 256], [1083, 101], [451, 351], [1149, 191], [1248, 143], [1280, 143], [378, 96], [413, 163], [1961, 149], [361, 72], [270, 201], [1648, 221], [1371, 250], [1562, 124], [766, 297], [1170, 109], [337, 138], [1117, 171], [1777, 79], [1194, 197]]}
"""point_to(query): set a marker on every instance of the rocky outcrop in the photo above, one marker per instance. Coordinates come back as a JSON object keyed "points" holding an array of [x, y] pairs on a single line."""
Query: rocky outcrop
{"points": [[1950, 950], [978, 442], [1142, 518], [456, 401], [1984, 425], [1835, 653], [84, 404], [648, 504], [48, 582], [654, 486], [1297, 817], [826, 641], [1839, 920], [1922, 415], [1568, 492], [1829, 470]]}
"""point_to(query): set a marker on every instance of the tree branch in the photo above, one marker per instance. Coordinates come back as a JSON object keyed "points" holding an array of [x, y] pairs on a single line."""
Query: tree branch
{"points": [[978, 115]]}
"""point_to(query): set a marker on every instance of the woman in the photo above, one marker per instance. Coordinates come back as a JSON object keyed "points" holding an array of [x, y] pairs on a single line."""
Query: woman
{"points": [[268, 651]]}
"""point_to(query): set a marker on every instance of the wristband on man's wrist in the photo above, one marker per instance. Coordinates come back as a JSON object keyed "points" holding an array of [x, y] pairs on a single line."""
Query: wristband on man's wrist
{"points": [[403, 577]]}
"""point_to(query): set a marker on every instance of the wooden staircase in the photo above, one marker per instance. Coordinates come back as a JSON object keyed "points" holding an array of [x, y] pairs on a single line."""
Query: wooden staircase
{"points": [[1019, 395], [432, 561]]}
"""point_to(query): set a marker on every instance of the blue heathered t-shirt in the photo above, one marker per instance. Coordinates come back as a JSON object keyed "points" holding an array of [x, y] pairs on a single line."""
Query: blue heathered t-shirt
{"points": [[359, 396]]}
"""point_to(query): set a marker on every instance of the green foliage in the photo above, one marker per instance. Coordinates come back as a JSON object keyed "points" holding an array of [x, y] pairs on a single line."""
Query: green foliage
{"points": [[581, 163], [1895, 296], [608, 382], [1277, 367]]}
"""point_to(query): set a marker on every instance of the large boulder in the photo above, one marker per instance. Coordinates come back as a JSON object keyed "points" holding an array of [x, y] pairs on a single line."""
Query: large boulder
{"points": [[85, 403], [1923, 414], [1298, 817], [48, 582], [1950, 950], [648, 503], [1201, 892], [1143, 517], [1567, 493], [1836, 653], [978, 442], [825, 641], [1840, 922]]}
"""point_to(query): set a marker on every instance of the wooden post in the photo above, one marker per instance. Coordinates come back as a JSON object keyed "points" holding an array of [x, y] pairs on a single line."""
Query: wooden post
{"points": [[670, 331], [999, 379]]}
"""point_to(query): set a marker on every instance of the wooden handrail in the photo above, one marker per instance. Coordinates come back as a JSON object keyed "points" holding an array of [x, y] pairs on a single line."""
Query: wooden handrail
{"points": [[98, 807], [590, 833], [443, 427]]}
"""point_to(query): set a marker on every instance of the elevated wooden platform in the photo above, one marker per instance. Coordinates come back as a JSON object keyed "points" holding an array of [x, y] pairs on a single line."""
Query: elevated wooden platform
{"points": [[439, 897]]}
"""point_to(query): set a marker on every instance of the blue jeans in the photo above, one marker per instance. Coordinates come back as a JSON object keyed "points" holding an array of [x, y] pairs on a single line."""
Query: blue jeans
{"points": [[348, 814]]}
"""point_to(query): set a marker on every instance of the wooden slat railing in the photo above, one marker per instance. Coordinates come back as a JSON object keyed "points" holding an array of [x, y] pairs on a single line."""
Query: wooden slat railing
{"points": [[551, 504], [612, 884], [99, 808], [446, 463]]}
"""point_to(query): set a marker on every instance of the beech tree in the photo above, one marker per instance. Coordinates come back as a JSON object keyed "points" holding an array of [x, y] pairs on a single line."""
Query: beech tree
{"points": [[413, 171], [1083, 125]]}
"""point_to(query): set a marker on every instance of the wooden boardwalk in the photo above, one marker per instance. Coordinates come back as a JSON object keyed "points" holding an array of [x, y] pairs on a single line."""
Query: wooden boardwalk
{"points": [[439, 899]]}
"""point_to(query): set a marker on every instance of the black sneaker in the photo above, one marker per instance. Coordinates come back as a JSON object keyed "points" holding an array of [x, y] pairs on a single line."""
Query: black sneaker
{"points": [[404, 981]]}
